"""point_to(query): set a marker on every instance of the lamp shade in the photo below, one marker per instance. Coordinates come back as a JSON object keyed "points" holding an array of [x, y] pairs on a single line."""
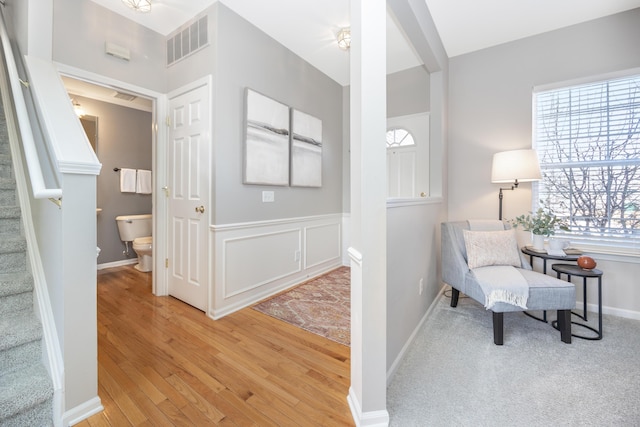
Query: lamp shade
{"points": [[515, 166]]}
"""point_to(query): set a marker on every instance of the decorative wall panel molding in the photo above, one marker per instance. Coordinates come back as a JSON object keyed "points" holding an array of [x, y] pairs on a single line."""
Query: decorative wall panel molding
{"points": [[253, 261]]}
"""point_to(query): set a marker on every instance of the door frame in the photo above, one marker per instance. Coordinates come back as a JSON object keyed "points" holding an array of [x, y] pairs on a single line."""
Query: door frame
{"points": [[158, 163], [414, 123]]}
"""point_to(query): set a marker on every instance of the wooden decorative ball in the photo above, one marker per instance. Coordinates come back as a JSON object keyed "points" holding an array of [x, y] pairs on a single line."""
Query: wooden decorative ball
{"points": [[586, 262]]}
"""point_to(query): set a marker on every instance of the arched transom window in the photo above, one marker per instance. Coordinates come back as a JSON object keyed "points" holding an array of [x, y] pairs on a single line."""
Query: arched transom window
{"points": [[399, 138]]}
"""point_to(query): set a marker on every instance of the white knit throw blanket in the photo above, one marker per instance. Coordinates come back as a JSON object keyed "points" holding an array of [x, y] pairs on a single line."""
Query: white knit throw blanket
{"points": [[502, 283]]}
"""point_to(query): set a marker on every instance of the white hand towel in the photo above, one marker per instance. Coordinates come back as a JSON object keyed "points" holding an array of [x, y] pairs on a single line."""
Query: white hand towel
{"points": [[144, 182], [128, 180]]}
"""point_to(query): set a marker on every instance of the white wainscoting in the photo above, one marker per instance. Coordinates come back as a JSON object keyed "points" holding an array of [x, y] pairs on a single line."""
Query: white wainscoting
{"points": [[252, 261]]}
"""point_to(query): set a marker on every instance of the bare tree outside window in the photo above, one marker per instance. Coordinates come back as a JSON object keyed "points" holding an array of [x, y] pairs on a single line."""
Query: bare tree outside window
{"points": [[588, 143]]}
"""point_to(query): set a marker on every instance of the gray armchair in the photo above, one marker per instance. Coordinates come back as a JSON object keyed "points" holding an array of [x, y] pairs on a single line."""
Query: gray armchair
{"points": [[544, 292]]}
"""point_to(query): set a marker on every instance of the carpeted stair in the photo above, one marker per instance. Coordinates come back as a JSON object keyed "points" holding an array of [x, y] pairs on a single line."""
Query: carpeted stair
{"points": [[26, 391]]}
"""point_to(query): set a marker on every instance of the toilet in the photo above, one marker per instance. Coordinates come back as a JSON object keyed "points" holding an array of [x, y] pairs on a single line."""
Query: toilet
{"points": [[136, 229]]}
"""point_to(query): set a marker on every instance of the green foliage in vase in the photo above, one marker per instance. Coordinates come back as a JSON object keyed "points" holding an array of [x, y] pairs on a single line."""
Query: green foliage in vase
{"points": [[543, 222]]}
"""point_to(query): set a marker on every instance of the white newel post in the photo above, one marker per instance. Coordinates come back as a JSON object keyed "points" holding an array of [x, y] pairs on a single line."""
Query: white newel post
{"points": [[80, 348], [367, 395]]}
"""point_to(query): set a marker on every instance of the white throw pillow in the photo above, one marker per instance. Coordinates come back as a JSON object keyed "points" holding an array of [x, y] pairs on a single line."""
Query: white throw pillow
{"points": [[491, 248]]}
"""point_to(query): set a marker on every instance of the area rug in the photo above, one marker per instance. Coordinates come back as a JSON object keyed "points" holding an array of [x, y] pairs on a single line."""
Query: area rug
{"points": [[321, 305]]}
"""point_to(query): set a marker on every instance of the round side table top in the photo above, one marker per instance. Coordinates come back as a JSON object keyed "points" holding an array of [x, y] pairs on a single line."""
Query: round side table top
{"points": [[575, 270], [544, 255]]}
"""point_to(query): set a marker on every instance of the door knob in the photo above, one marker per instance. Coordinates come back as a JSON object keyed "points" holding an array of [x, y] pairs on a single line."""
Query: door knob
{"points": [[200, 209]]}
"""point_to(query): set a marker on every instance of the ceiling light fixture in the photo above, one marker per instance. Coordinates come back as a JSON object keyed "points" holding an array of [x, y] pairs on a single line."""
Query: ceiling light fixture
{"points": [[77, 108], [344, 38], [139, 5]]}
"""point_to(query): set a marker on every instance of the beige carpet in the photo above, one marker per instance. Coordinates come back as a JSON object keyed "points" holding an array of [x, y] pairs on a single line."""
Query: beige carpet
{"points": [[321, 305]]}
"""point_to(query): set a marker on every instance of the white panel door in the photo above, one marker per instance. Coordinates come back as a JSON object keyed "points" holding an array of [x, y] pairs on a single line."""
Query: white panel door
{"points": [[401, 172], [189, 141]]}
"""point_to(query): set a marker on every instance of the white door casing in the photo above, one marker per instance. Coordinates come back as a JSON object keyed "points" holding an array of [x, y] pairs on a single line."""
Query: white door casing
{"points": [[188, 167]]}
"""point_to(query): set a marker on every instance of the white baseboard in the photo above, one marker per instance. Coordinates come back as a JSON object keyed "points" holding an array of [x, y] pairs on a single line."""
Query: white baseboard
{"points": [[117, 263], [618, 312], [82, 412], [366, 419]]}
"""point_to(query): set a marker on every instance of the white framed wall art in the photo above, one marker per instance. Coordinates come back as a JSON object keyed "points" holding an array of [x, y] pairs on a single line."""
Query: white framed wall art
{"points": [[266, 150]]}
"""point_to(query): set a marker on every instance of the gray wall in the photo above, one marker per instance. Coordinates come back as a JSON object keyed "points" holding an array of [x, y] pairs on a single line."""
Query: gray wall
{"points": [[124, 141], [80, 31], [413, 243], [491, 95], [408, 92], [346, 149], [249, 58], [490, 111], [16, 20], [413, 238]]}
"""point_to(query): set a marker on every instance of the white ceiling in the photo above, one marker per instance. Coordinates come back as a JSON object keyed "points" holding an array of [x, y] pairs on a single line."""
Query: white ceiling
{"points": [[469, 25], [308, 28]]}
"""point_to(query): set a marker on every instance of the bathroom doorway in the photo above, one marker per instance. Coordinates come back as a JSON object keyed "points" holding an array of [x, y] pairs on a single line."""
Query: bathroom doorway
{"points": [[90, 125], [126, 137]]}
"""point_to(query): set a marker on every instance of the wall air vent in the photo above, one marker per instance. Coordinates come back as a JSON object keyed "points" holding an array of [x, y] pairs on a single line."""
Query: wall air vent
{"points": [[187, 40], [117, 51], [124, 96]]}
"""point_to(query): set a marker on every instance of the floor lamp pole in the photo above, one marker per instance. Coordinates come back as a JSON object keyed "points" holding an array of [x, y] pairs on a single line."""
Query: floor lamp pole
{"points": [[501, 196]]}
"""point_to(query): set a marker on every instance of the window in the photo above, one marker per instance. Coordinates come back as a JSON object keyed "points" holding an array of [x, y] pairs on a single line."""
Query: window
{"points": [[399, 138], [588, 143]]}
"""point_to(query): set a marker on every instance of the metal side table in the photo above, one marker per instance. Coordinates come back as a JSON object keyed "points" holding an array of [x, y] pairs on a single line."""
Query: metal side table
{"points": [[545, 256], [574, 270]]}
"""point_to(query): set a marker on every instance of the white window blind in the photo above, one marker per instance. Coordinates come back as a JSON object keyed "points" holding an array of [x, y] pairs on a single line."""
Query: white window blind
{"points": [[588, 142]]}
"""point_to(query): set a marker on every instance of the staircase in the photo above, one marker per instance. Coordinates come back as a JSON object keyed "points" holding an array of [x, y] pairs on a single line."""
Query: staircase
{"points": [[26, 391]]}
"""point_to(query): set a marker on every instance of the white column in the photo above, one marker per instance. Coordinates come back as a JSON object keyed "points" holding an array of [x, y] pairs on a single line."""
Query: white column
{"points": [[367, 395]]}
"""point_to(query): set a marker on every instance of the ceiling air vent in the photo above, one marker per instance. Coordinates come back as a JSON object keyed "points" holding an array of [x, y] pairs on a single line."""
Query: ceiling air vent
{"points": [[124, 96], [189, 39]]}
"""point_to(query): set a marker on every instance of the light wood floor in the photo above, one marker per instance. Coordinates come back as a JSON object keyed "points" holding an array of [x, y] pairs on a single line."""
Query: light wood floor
{"points": [[162, 363]]}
